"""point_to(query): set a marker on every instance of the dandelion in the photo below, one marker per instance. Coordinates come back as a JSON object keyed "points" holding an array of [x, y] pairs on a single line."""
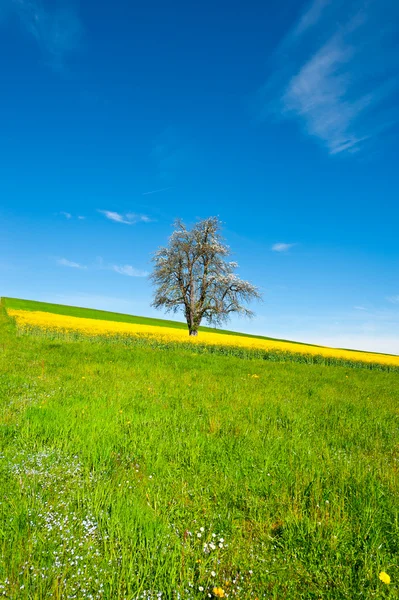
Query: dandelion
{"points": [[218, 592], [213, 573], [201, 589], [385, 578]]}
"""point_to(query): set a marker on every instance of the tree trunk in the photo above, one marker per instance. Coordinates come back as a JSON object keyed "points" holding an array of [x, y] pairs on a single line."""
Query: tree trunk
{"points": [[193, 331]]}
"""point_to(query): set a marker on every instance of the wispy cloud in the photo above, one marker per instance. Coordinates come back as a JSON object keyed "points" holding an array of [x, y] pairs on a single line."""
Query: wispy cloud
{"points": [[101, 265], [360, 308], [393, 299], [156, 191], [282, 247], [69, 216], [129, 271], [69, 263], [336, 73], [55, 27], [127, 218], [311, 16]]}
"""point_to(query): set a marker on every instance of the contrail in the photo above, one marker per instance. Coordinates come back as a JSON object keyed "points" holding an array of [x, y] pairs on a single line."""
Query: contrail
{"points": [[156, 191]]}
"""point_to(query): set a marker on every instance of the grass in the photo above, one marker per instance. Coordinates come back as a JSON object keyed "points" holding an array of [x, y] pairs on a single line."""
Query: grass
{"points": [[119, 463]]}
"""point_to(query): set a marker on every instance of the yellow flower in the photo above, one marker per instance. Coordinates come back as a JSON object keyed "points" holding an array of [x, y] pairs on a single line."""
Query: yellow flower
{"points": [[384, 577], [92, 327], [218, 592]]}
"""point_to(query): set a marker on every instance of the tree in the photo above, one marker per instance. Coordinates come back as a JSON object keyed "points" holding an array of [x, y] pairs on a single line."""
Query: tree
{"points": [[192, 274]]}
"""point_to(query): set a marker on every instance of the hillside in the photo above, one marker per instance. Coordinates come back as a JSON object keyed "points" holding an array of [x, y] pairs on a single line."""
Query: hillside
{"points": [[54, 319], [134, 471], [91, 313]]}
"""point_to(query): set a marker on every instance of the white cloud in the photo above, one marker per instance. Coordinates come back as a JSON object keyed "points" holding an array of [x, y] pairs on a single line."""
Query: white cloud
{"points": [[360, 308], [129, 271], [336, 73], [114, 216], [281, 247], [135, 218], [68, 263], [68, 215], [393, 299], [127, 219], [318, 93]]}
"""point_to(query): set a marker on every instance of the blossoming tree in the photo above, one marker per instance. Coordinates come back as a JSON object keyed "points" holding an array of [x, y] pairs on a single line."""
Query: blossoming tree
{"points": [[193, 274]]}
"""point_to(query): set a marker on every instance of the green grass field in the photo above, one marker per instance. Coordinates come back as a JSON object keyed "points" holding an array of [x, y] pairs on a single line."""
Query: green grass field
{"points": [[134, 472]]}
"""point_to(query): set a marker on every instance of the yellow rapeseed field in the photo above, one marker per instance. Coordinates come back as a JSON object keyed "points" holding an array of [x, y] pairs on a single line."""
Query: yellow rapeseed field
{"points": [[95, 327]]}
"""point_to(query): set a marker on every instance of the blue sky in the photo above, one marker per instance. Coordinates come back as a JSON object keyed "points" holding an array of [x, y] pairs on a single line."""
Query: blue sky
{"points": [[280, 118]]}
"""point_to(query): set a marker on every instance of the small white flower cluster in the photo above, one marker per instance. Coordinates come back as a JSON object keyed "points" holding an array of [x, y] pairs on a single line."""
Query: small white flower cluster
{"points": [[215, 543], [149, 595], [31, 395], [3, 587], [63, 540], [152, 595], [47, 468]]}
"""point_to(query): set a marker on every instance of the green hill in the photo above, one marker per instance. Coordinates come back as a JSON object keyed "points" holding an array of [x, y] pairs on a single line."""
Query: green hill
{"points": [[145, 473], [91, 313]]}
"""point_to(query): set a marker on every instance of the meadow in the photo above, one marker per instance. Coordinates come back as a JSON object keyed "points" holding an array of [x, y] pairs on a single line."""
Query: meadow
{"points": [[142, 471], [72, 322]]}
